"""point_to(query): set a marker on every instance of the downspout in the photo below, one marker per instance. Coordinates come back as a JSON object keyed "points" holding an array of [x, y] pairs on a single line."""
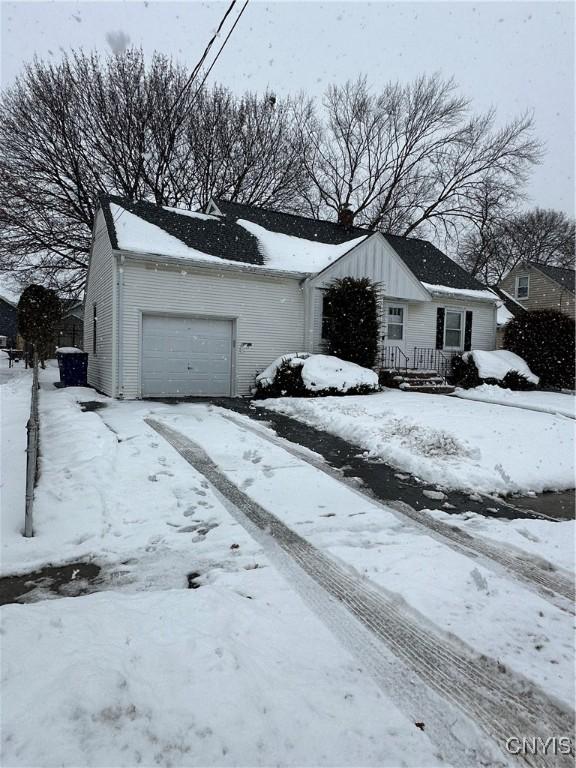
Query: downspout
{"points": [[120, 327]]}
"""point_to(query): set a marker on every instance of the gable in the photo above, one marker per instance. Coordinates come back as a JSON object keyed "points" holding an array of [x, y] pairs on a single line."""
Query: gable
{"points": [[376, 259]]}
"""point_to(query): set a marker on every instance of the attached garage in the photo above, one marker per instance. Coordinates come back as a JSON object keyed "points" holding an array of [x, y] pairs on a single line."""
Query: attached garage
{"points": [[186, 356]]}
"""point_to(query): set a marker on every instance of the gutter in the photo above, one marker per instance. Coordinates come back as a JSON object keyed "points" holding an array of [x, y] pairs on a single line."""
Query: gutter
{"points": [[226, 266], [119, 324]]}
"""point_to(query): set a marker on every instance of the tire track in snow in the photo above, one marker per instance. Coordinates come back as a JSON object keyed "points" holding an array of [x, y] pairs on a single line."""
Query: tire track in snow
{"points": [[500, 703], [534, 572]]}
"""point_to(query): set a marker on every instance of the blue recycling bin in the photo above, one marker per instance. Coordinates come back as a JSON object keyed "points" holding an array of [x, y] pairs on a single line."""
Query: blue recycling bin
{"points": [[73, 367]]}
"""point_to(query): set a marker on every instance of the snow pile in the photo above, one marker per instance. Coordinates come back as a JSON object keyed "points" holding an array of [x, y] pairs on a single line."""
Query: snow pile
{"points": [[295, 253], [320, 373], [327, 372], [499, 362], [448, 441]]}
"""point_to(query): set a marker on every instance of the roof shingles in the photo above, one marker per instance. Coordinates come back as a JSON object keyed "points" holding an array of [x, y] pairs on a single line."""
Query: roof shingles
{"points": [[223, 237]]}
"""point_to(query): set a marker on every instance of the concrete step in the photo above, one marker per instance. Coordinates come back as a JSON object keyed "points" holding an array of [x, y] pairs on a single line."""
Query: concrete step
{"points": [[421, 381], [409, 373], [436, 389]]}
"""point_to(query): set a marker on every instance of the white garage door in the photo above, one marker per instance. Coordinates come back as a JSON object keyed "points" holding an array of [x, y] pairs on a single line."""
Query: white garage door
{"points": [[186, 356]]}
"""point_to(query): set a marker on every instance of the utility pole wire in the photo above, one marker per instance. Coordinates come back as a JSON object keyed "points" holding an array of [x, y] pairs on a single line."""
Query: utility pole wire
{"points": [[222, 46], [198, 66]]}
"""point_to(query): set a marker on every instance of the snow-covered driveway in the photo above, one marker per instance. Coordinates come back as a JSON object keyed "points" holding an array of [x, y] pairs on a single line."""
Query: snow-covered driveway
{"points": [[257, 666], [455, 443]]}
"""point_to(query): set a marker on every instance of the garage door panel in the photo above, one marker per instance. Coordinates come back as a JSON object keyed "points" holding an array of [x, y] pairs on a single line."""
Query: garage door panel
{"points": [[186, 356]]}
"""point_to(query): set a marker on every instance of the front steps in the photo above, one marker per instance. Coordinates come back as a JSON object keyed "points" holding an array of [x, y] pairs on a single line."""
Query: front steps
{"points": [[411, 380]]}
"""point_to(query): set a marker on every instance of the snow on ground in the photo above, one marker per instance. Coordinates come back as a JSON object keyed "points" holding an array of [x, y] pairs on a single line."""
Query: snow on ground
{"points": [[236, 672], [239, 671], [546, 402], [455, 592], [448, 441], [498, 362], [15, 389]]}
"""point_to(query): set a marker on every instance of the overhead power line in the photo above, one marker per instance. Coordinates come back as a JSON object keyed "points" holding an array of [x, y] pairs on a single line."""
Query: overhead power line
{"points": [[202, 59], [223, 44]]}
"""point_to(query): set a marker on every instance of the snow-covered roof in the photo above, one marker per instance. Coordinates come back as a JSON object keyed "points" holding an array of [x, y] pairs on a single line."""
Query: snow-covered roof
{"points": [[175, 233], [468, 293], [287, 252], [270, 240]]}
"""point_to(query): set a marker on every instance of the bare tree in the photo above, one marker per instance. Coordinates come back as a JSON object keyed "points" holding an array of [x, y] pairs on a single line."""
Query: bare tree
{"points": [[412, 156], [540, 236], [83, 127]]}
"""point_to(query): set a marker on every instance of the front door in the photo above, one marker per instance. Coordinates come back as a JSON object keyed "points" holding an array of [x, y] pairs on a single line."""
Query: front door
{"points": [[394, 335]]}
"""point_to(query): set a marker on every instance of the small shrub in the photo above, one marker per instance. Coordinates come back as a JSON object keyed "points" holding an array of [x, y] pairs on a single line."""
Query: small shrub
{"points": [[517, 381], [464, 373], [545, 339], [287, 382]]}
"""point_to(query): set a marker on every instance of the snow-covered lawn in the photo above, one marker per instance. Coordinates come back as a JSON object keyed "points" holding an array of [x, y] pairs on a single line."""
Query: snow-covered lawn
{"points": [[241, 671], [546, 402], [449, 441]]}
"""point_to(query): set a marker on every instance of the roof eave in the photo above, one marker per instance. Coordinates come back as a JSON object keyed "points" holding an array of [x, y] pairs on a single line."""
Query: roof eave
{"points": [[216, 266], [462, 296]]}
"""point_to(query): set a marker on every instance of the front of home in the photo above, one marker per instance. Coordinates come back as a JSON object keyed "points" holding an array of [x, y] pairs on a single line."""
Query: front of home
{"points": [[182, 304]]}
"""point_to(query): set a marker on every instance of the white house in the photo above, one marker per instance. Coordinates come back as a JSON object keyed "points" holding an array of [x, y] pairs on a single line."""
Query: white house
{"points": [[181, 303]]}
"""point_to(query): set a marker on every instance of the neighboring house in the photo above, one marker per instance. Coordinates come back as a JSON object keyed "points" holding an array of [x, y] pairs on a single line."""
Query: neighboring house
{"points": [[508, 308], [71, 330], [182, 303], [8, 324], [538, 286]]}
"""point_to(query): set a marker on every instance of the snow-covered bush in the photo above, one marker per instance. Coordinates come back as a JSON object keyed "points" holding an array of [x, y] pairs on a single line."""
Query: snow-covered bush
{"points": [[301, 374], [499, 367], [545, 339]]}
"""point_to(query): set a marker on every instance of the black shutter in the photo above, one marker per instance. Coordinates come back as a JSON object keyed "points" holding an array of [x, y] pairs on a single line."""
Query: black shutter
{"points": [[468, 332], [440, 328]]}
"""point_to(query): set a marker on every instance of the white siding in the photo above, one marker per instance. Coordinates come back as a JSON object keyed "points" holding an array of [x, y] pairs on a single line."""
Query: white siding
{"points": [[268, 314], [375, 259], [421, 323], [100, 290]]}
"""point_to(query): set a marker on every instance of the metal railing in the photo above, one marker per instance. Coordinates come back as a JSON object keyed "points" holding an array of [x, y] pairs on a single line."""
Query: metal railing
{"points": [[393, 357], [429, 359], [33, 428]]}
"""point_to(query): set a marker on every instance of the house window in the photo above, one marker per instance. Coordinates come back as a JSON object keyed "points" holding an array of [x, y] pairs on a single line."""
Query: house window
{"points": [[453, 328], [395, 330], [3, 341], [327, 317], [94, 328], [522, 282]]}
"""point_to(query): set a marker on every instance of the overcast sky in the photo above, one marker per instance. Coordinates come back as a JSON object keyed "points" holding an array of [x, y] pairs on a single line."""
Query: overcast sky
{"points": [[515, 56]]}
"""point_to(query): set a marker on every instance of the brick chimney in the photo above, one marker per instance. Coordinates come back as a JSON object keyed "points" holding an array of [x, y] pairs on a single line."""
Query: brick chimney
{"points": [[346, 216]]}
